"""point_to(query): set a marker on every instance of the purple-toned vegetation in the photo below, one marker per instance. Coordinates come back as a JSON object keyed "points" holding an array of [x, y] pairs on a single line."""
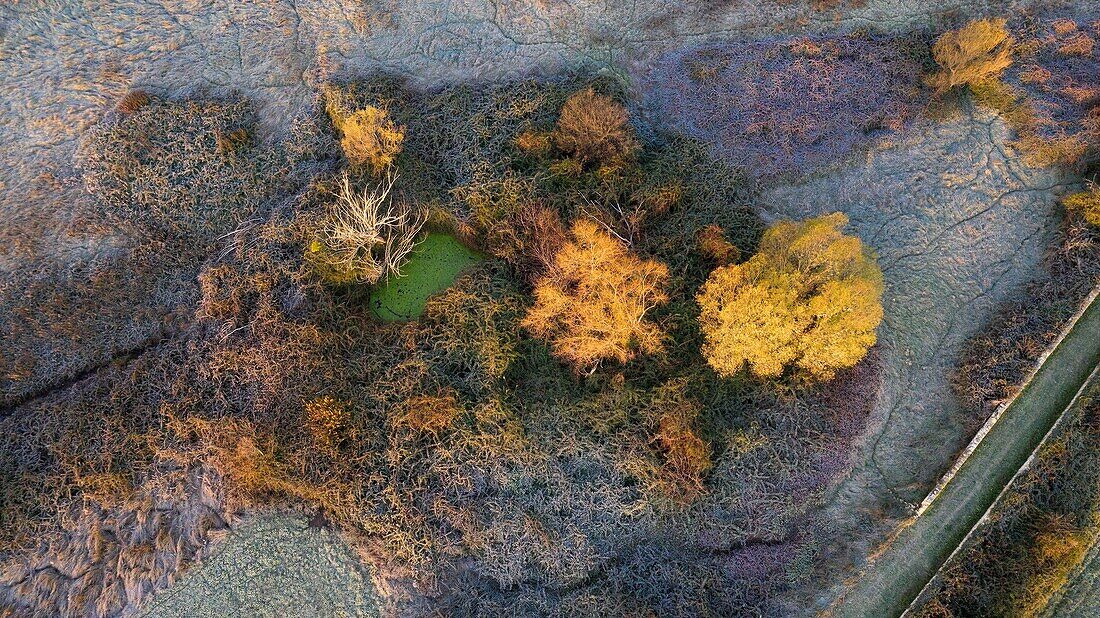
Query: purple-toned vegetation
{"points": [[1057, 69], [780, 106]]}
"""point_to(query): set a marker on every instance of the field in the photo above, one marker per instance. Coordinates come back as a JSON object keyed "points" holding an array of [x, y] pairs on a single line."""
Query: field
{"points": [[210, 406]]}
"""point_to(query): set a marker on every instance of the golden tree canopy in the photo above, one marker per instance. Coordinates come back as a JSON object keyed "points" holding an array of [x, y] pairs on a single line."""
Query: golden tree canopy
{"points": [[811, 297], [978, 51], [591, 306]]}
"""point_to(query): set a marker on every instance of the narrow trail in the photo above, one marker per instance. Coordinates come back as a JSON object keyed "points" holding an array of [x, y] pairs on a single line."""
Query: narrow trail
{"points": [[890, 583]]}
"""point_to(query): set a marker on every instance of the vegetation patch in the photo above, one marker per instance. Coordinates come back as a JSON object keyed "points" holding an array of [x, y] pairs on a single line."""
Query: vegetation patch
{"points": [[790, 105], [1039, 72], [1041, 531], [546, 438], [433, 265]]}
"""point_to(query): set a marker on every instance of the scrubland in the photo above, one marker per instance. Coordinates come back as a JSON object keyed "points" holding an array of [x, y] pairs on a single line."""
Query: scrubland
{"points": [[653, 396]]}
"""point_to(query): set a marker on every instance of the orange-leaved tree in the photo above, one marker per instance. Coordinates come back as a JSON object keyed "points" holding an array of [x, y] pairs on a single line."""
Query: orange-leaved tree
{"points": [[811, 298], [592, 303]]}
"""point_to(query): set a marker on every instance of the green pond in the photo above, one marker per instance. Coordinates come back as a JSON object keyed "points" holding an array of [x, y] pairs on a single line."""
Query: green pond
{"points": [[433, 266]]}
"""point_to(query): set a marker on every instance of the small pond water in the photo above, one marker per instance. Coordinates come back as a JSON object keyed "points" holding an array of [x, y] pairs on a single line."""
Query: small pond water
{"points": [[433, 266]]}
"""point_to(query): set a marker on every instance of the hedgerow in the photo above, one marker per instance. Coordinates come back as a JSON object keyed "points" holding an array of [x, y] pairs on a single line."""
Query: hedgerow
{"points": [[1038, 535]]}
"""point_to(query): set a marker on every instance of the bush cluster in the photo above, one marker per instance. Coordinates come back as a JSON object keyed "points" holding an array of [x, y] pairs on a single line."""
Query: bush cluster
{"points": [[475, 469], [978, 52]]}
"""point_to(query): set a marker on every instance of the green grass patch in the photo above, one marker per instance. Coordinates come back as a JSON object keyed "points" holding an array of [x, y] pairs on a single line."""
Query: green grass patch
{"points": [[433, 266]]}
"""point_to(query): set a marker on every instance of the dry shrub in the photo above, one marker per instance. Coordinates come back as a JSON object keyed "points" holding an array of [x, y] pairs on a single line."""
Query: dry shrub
{"points": [[1063, 26], [977, 52], [1035, 74], [242, 457], [778, 106], [429, 413], [591, 306], [365, 236], [594, 128], [1079, 44], [369, 136], [1051, 99], [1039, 151], [495, 199], [131, 102], [687, 456], [1086, 204], [231, 141], [713, 244], [658, 199], [810, 298], [529, 240], [535, 143], [326, 419], [221, 293], [1039, 148]]}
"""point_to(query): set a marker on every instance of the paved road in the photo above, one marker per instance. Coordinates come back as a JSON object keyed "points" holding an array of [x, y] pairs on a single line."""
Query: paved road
{"points": [[896, 577]]}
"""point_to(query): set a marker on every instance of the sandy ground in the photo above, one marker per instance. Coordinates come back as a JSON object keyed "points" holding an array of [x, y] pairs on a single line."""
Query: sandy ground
{"points": [[958, 225]]}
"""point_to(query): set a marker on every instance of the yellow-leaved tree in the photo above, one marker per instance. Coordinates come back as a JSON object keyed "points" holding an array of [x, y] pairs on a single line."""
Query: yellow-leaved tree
{"points": [[592, 303], [979, 51], [811, 298]]}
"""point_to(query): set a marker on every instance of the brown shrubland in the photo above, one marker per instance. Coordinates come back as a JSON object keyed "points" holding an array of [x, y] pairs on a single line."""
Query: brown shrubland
{"points": [[472, 470], [977, 52]]}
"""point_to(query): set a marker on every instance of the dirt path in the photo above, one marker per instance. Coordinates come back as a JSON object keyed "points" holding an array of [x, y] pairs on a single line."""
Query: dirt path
{"points": [[893, 579]]}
